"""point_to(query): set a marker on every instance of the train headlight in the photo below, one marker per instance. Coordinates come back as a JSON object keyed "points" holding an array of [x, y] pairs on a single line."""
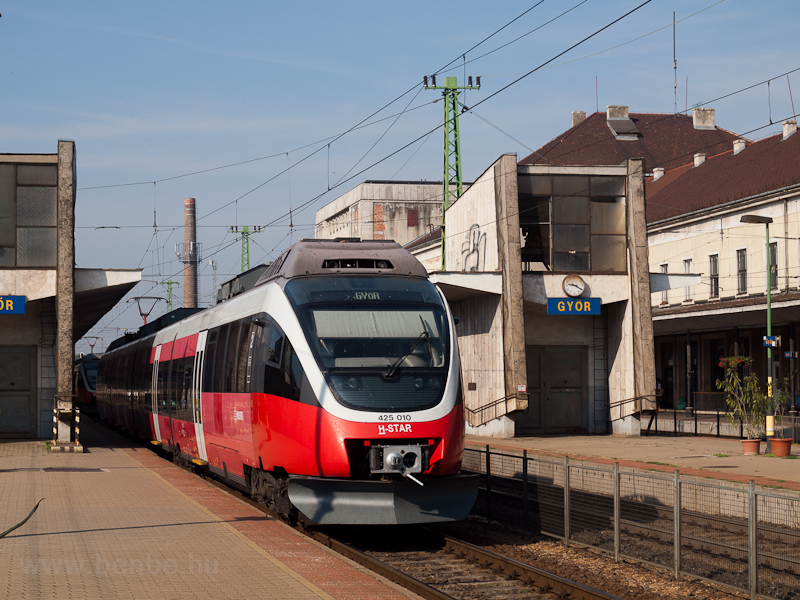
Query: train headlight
{"points": [[419, 383], [352, 383]]}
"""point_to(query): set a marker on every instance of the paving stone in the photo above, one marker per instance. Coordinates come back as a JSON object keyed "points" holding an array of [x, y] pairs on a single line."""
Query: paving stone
{"points": [[140, 527]]}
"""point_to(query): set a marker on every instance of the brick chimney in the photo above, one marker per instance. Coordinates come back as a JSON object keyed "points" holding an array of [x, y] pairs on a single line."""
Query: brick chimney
{"points": [[658, 173], [703, 118], [578, 116], [738, 146], [789, 128], [699, 159]]}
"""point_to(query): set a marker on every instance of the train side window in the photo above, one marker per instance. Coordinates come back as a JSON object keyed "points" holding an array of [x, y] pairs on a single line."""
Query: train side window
{"points": [[185, 397], [247, 332], [294, 373], [212, 346], [219, 360], [231, 354], [163, 385], [275, 382], [275, 346], [258, 357]]}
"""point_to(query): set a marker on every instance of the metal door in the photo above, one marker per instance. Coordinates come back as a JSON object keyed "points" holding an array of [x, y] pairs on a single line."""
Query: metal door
{"points": [[18, 391], [154, 394], [557, 384], [197, 388]]}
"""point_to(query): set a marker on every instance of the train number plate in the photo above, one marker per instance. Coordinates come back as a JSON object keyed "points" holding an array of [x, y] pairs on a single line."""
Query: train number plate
{"points": [[399, 418]]}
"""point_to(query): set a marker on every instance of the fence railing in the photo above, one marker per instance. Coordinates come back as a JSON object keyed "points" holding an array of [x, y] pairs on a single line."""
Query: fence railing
{"points": [[710, 422], [733, 534]]}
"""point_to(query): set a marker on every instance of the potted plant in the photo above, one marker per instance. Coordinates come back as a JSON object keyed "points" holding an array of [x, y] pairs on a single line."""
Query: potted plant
{"points": [[744, 398], [781, 446]]}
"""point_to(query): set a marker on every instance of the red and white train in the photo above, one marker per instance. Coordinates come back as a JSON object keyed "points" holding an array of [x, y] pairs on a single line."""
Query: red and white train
{"points": [[330, 391]]}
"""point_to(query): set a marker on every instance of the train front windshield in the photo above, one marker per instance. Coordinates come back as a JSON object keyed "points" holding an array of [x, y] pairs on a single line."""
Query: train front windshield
{"points": [[382, 342]]}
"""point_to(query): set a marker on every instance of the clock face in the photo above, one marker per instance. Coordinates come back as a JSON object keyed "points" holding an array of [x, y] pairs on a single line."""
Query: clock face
{"points": [[573, 285]]}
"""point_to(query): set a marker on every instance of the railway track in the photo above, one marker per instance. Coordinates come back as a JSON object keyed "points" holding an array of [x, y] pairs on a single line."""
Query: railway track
{"points": [[438, 567], [709, 543]]}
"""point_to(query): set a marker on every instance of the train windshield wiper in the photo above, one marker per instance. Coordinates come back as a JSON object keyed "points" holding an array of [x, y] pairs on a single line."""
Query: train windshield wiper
{"points": [[420, 338]]}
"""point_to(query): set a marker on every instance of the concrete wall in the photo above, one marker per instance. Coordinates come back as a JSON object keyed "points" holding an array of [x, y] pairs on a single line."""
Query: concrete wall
{"points": [[480, 347], [471, 228]]}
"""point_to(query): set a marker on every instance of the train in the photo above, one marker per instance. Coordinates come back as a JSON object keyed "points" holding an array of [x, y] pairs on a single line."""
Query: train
{"points": [[329, 391], [84, 373]]}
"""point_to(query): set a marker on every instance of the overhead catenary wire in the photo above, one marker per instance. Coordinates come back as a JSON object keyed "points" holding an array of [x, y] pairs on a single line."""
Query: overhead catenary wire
{"points": [[427, 134]]}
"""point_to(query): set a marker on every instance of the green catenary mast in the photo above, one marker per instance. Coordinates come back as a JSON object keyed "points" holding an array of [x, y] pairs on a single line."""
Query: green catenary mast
{"points": [[452, 142]]}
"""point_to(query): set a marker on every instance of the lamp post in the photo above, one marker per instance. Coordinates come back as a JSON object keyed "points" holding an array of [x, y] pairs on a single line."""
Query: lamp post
{"points": [[770, 392]]}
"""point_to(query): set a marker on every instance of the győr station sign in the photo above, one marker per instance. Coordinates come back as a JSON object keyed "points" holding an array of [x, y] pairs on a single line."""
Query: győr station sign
{"points": [[12, 305]]}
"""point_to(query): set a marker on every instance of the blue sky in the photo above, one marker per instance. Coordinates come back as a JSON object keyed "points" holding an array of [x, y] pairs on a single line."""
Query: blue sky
{"points": [[155, 90]]}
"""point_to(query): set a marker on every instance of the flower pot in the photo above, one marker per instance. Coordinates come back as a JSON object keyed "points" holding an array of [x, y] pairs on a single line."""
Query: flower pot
{"points": [[751, 447], [781, 446]]}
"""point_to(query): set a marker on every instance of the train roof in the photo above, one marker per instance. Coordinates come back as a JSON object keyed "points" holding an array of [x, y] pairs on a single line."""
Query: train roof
{"points": [[153, 326], [344, 256]]}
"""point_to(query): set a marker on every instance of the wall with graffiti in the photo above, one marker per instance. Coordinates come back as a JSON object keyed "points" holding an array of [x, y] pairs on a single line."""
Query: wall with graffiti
{"points": [[471, 229]]}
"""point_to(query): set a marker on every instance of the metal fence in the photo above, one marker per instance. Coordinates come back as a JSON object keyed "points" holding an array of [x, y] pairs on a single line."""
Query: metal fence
{"points": [[710, 422], [729, 533]]}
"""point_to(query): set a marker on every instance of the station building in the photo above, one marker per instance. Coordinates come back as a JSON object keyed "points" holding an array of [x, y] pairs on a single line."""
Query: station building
{"points": [[547, 268], [695, 225], [46, 303]]}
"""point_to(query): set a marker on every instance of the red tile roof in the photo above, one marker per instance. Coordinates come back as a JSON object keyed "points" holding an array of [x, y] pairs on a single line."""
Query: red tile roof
{"points": [[770, 164], [665, 140]]}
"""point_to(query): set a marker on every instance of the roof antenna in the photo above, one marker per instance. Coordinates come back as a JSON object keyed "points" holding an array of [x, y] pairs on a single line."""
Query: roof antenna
{"points": [[289, 175], [674, 62]]}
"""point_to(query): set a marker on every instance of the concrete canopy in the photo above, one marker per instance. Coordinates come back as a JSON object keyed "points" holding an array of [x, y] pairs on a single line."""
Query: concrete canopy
{"points": [[460, 286], [96, 293]]}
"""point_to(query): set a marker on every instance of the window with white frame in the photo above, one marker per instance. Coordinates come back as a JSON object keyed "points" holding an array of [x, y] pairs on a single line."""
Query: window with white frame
{"points": [[773, 265], [741, 271], [665, 293], [688, 294], [713, 271]]}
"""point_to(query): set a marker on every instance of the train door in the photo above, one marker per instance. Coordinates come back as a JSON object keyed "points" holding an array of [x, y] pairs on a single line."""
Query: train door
{"points": [[197, 409], [154, 394]]}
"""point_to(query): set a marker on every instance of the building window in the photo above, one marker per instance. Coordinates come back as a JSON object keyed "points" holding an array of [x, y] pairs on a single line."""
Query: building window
{"points": [[572, 223], [773, 265], [412, 217], [688, 290], [741, 270], [28, 215], [665, 293], [713, 269]]}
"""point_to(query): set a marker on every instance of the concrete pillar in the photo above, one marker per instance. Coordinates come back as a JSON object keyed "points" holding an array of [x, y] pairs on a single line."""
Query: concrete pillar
{"points": [[190, 254], [509, 252], [643, 347], [65, 290]]}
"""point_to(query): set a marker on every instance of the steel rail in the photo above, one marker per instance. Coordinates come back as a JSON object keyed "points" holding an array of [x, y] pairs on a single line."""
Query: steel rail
{"points": [[556, 584]]}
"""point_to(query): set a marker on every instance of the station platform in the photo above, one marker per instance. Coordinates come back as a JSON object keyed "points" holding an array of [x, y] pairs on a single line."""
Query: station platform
{"points": [[120, 522], [703, 457]]}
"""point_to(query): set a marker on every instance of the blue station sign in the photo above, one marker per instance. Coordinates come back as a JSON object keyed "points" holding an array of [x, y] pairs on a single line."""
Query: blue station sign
{"points": [[12, 305], [573, 306]]}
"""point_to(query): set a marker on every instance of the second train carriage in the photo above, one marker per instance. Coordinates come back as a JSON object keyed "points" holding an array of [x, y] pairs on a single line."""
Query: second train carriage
{"points": [[332, 388]]}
